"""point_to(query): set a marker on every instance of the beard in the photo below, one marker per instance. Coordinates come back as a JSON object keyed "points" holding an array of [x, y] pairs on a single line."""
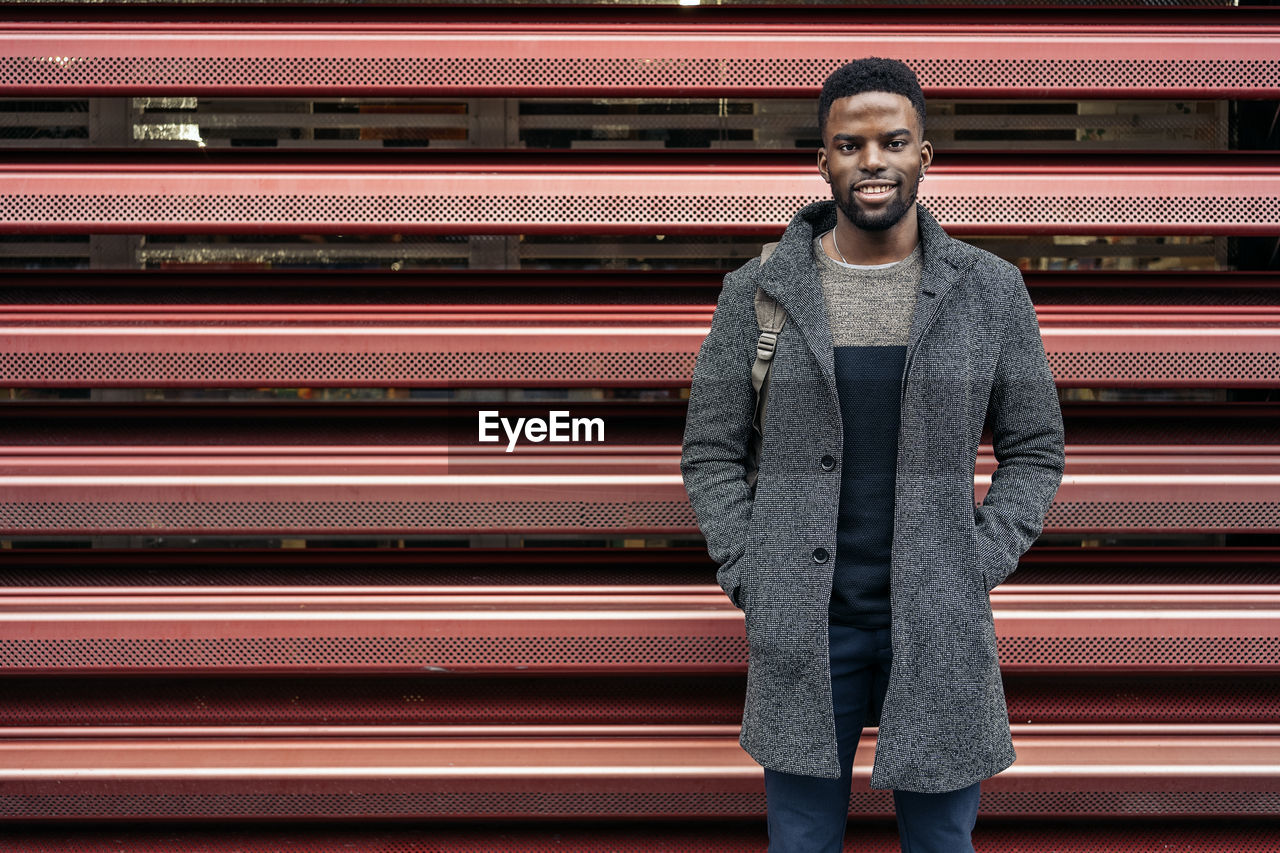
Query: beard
{"points": [[880, 219]]}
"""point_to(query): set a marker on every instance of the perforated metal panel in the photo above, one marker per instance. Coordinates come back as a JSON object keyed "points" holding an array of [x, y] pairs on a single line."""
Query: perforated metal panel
{"points": [[1168, 803], [429, 804], [633, 517], [195, 369], [1243, 197], [1162, 369], [640, 652], [1253, 364], [741, 835], [335, 516], [1143, 213], [1242, 212], [636, 56], [1143, 652], [585, 804], [1163, 515], [405, 653], [491, 75], [429, 213]]}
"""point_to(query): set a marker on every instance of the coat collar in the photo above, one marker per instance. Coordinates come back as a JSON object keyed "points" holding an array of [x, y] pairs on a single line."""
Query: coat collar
{"points": [[791, 277]]}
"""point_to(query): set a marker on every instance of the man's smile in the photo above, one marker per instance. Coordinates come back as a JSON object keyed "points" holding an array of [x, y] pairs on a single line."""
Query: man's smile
{"points": [[874, 193]]}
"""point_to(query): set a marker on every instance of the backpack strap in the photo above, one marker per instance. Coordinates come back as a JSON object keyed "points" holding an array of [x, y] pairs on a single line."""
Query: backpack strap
{"points": [[770, 318]]}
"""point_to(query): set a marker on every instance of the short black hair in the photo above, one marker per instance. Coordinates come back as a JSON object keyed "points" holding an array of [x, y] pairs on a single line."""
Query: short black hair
{"points": [[872, 74]]}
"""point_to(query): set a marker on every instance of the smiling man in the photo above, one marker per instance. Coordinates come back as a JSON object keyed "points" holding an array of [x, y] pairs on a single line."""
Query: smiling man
{"points": [[855, 549]]}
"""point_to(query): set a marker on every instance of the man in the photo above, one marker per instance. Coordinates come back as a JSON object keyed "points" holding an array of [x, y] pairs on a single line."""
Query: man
{"points": [[860, 561]]}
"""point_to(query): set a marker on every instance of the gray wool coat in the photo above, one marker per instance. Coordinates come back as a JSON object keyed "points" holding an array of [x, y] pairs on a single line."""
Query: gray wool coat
{"points": [[974, 347]]}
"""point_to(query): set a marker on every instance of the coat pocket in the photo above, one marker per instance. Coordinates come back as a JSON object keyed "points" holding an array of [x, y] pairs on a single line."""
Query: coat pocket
{"points": [[982, 563], [982, 573], [742, 595], [730, 577], [993, 569], [991, 561]]}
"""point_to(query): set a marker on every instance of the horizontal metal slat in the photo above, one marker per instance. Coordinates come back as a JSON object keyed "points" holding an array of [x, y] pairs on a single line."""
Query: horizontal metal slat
{"points": [[195, 288], [1220, 58], [148, 699], [620, 489], [565, 346], [660, 568], [1038, 629], [1019, 197], [1059, 772], [737, 835]]}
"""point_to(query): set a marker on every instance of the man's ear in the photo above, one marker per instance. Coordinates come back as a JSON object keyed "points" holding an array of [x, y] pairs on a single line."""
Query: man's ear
{"points": [[822, 164]]}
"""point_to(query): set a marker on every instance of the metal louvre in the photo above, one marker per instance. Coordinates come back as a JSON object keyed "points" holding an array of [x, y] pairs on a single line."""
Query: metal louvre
{"points": [[627, 57], [661, 569], [1239, 835], [348, 346], [1039, 630], [517, 805], [1118, 515], [1043, 654], [623, 490], [387, 515], [1211, 697], [557, 368], [618, 654], [387, 805], [1242, 197], [403, 653], [391, 515], [1142, 367], [525, 776]]}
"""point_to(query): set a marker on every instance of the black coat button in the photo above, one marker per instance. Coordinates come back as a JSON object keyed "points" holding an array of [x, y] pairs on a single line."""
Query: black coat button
{"points": [[820, 555], [828, 462]]}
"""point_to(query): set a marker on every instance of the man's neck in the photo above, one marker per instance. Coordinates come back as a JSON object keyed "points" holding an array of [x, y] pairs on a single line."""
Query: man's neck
{"points": [[865, 248]]}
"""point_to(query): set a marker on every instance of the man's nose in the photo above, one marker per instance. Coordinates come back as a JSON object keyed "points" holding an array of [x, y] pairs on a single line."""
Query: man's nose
{"points": [[872, 158]]}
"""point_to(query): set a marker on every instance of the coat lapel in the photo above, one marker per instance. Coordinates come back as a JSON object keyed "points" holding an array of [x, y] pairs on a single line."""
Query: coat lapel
{"points": [[941, 270], [791, 277]]}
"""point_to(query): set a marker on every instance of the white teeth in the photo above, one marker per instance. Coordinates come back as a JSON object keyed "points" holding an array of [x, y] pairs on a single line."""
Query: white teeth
{"points": [[875, 190]]}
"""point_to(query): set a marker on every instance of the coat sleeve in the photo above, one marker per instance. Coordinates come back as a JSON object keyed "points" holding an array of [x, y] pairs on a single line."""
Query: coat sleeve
{"points": [[717, 433], [1028, 440]]}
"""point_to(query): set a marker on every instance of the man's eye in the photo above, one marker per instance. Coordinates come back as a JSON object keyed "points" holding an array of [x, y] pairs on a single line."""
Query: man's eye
{"points": [[897, 142]]}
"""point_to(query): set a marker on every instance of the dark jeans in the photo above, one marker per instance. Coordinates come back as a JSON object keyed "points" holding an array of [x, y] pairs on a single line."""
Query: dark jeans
{"points": [[808, 814]]}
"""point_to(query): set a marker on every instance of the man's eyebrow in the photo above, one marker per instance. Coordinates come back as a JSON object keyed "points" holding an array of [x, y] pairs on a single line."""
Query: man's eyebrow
{"points": [[851, 136]]}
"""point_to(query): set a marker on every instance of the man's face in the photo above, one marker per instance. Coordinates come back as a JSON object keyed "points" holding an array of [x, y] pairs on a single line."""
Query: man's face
{"points": [[872, 141]]}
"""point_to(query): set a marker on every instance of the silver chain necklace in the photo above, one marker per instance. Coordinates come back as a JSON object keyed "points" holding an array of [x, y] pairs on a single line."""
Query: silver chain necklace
{"points": [[837, 245]]}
